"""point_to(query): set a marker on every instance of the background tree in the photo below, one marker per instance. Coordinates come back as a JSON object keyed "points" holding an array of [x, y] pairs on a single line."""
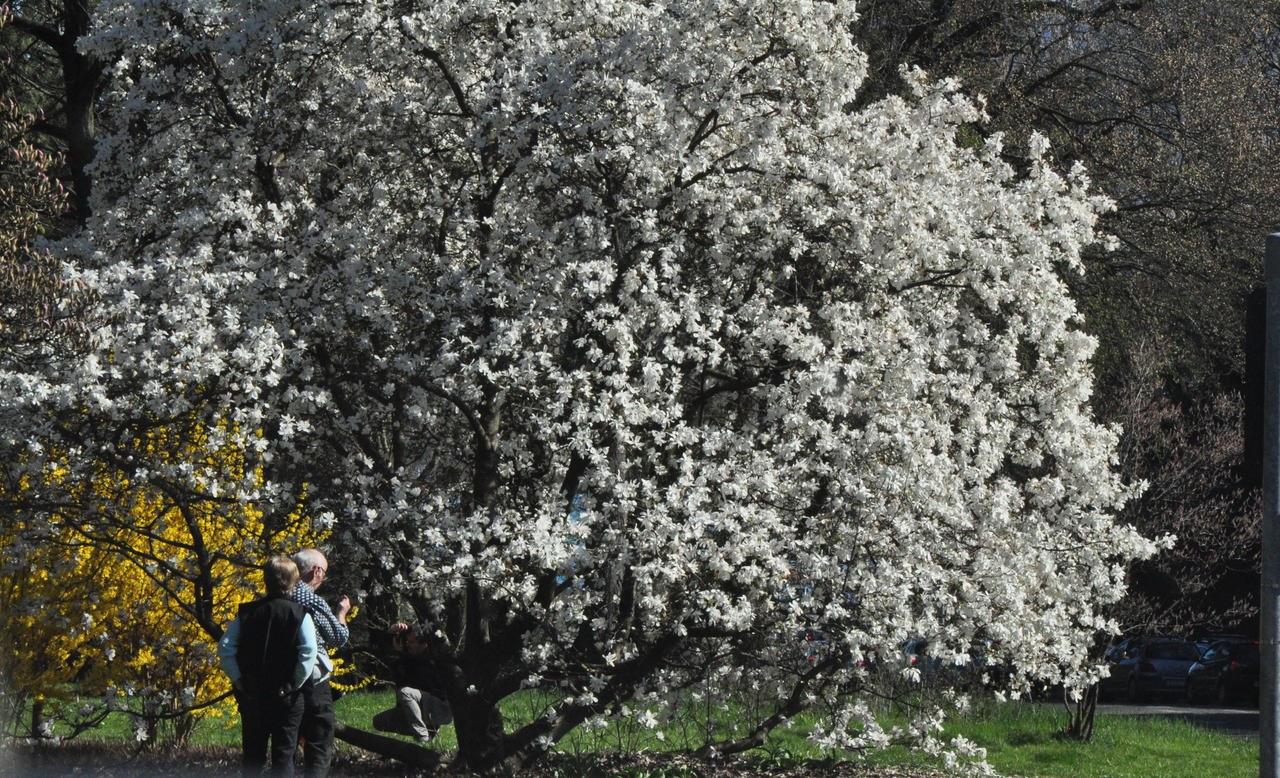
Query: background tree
{"points": [[44, 72], [1191, 458], [39, 310], [610, 339]]}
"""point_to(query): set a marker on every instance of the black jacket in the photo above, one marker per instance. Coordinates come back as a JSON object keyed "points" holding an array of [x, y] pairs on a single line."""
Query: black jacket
{"points": [[268, 649], [418, 672]]}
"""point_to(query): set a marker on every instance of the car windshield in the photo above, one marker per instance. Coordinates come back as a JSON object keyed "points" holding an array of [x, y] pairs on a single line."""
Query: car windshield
{"points": [[1182, 651]]}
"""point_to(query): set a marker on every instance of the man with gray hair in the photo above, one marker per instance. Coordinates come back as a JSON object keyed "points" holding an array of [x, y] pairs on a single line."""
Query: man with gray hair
{"points": [[331, 628]]}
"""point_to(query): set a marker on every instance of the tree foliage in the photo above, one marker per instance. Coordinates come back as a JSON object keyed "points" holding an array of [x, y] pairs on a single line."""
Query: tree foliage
{"points": [[613, 340], [1172, 105], [45, 73], [39, 310]]}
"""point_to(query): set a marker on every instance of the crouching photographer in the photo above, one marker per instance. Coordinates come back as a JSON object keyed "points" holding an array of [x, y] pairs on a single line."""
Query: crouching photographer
{"points": [[421, 703]]}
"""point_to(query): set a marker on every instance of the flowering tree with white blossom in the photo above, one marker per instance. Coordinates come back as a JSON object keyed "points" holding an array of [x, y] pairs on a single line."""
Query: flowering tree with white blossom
{"points": [[609, 336]]}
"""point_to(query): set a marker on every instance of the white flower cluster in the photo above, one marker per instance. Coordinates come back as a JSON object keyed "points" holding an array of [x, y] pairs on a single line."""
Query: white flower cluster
{"points": [[610, 330]]}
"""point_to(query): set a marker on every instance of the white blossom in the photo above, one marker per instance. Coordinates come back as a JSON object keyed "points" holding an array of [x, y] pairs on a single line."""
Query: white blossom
{"points": [[615, 316]]}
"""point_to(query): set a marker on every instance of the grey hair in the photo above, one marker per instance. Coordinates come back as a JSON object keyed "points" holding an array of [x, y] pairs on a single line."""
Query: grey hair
{"points": [[308, 559]]}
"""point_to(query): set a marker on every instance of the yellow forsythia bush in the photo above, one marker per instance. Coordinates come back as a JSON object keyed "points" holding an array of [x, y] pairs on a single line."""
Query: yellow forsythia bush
{"points": [[119, 599]]}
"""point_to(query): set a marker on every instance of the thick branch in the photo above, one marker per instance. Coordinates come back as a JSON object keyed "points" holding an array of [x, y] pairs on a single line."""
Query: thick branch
{"points": [[410, 754], [522, 745], [432, 54], [41, 32], [796, 702]]}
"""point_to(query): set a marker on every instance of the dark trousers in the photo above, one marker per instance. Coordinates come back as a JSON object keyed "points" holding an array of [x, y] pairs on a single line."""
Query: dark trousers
{"points": [[274, 718], [317, 728]]}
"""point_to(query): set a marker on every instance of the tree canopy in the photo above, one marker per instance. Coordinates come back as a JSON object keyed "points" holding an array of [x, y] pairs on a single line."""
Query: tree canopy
{"points": [[626, 344]]}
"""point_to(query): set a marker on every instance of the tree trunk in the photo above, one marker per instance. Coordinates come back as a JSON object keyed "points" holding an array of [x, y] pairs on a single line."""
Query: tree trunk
{"points": [[479, 727], [82, 83], [37, 719], [1080, 714]]}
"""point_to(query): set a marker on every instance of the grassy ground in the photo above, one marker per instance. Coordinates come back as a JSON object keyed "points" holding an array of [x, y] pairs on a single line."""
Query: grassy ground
{"points": [[1021, 740]]}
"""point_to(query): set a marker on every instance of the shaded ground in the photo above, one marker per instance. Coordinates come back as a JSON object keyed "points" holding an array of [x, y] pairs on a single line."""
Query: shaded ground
{"points": [[102, 759]]}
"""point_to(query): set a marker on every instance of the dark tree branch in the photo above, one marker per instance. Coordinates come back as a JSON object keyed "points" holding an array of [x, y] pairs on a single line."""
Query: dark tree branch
{"points": [[435, 57]]}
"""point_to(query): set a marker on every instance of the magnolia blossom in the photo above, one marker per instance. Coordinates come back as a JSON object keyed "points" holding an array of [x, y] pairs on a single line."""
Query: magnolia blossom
{"points": [[619, 338]]}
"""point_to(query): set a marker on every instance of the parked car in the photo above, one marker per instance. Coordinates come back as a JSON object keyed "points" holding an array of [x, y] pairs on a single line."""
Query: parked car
{"points": [[982, 669], [1203, 641], [1147, 667], [1226, 673]]}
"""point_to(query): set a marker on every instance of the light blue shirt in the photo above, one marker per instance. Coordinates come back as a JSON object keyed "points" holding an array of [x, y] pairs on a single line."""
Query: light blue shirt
{"points": [[307, 650]]}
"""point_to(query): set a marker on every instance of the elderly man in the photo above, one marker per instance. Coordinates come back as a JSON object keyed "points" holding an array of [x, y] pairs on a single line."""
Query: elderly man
{"points": [[331, 628]]}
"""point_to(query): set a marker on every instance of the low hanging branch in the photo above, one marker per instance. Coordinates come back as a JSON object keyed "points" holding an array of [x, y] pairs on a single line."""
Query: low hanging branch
{"points": [[410, 754]]}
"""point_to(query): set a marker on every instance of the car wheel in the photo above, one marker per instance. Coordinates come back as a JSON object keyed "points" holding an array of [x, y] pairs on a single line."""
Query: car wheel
{"points": [[1224, 694]]}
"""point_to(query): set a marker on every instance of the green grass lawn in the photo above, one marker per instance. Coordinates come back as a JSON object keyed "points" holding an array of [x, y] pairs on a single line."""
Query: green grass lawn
{"points": [[1021, 740]]}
